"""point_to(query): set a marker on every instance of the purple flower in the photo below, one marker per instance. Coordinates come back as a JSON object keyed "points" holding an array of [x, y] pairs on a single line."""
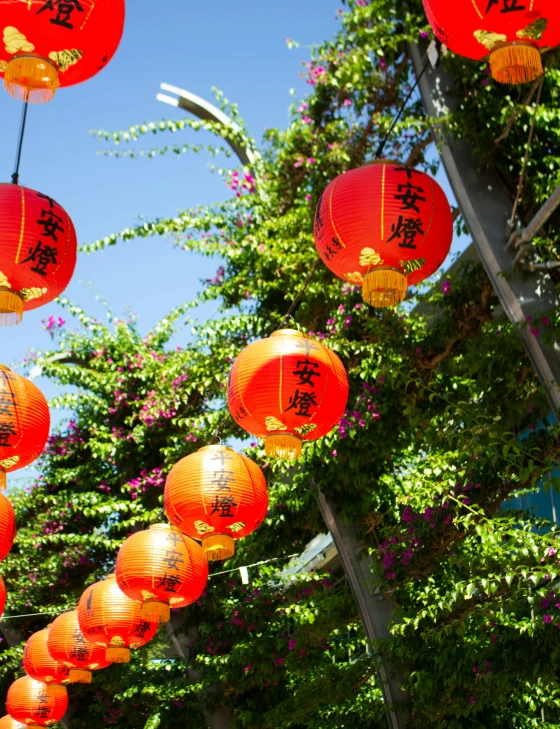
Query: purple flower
{"points": [[446, 287], [547, 618]]}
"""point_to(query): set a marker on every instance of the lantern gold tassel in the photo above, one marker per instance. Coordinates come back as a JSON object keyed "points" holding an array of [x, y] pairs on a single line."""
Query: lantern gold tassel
{"points": [[31, 78], [218, 547], [156, 611], [285, 446], [117, 654], [77, 675], [516, 63], [11, 308], [384, 287]]}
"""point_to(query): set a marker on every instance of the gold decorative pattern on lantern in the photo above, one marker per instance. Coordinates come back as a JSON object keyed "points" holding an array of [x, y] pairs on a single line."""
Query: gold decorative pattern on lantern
{"points": [[65, 59], [369, 257], [488, 39], [355, 277], [4, 283], [409, 266], [203, 528], [304, 430], [33, 293], [237, 527], [534, 31], [16, 42], [9, 462], [273, 424]]}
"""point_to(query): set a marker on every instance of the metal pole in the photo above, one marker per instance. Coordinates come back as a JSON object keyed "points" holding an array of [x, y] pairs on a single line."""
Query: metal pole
{"points": [[487, 208]]}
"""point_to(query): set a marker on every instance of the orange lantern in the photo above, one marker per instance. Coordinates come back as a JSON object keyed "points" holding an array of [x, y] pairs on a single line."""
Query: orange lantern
{"points": [[24, 423], [6, 722], [7, 520], [384, 226], [161, 568], [38, 662], [216, 495], [287, 389], [38, 253], [3, 596], [110, 619], [68, 646], [512, 33], [36, 704], [52, 43]]}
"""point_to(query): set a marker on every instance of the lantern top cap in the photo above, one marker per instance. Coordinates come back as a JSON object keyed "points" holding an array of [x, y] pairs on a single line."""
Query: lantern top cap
{"points": [[289, 333], [214, 448], [162, 527], [382, 162]]}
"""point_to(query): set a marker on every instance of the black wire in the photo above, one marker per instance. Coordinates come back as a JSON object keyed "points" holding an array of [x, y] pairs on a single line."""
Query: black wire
{"points": [[15, 176], [297, 301], [403, 107]]}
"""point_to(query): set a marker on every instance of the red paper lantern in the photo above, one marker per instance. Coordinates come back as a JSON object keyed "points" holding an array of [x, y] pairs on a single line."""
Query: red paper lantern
{"points": [[109, 618], [513, 33], [6, 722], [216, 495], [36, 704], [51, 43], [38, 252], [38, 662], [162, 569], [24, 424], [68, 645], [287, 389], [384, 226], [3, 596], [7, 523]]}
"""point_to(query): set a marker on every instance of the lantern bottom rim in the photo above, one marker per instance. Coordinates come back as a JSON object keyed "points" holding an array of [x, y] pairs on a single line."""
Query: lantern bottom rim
{"points": [[384, 287], [31, 78], [156, 611], [218, 547], [117, 654], [79, 675], [286, 446], [516, 63], [11, 308]]}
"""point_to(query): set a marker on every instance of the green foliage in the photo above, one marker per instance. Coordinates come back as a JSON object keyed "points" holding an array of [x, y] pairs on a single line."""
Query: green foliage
{"points": [[423, 461]]}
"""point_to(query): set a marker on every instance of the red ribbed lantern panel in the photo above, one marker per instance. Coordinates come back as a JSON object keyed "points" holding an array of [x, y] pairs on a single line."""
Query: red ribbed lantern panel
{"points": [[162, 569], [385, 227], [109, 618], [68, 645], [513, 33], [38, 662], [52, 43], [6, 722], [36, 704], [287, 389], [38, 253], [24, 423], [7, 523], [216, 495], [3, 596]]}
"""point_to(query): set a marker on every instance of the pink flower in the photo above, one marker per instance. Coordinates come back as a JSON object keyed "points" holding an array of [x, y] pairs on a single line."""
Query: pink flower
{"points": [[347, 102], [446, 287], [334, 454]]}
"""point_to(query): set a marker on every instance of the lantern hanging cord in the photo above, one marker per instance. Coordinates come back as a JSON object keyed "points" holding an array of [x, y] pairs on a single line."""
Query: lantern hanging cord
{"points": [[15, 176], [395, 121], [59, 611], [297, 301]]}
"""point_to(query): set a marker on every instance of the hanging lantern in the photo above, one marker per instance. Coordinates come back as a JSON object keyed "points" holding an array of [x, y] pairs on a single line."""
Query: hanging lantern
{"points": [[161, 568], [287, 389], [38, 662], [3, 596], [6, 722], [110, 619], [38, 253], [68, 646], [7, 520], [52, 43], [24, 429], [36, 704], [384, 226], [512, 33], [216, 495]]}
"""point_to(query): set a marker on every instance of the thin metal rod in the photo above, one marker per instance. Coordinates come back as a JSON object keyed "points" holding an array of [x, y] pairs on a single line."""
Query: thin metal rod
{"points": [[15, 176], [403, 107]]}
